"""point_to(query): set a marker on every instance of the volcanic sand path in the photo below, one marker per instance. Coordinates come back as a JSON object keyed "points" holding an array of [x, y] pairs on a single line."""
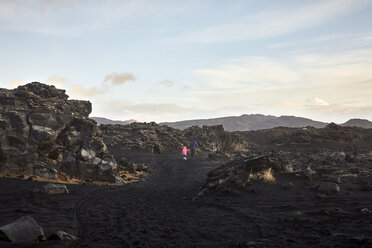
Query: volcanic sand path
{"points": [[159, 212]]}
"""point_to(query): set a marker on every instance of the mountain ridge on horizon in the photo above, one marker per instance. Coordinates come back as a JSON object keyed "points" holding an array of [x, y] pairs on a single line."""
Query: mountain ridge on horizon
{"points": [[248, 122], [102, 120]]}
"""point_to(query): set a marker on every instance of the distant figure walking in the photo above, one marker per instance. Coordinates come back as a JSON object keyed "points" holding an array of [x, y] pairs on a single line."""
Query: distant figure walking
{"points": [[193, 145], [184, 152]]}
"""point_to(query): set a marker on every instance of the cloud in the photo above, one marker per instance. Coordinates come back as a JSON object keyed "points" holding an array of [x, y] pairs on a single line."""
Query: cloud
{"points": [[310, 71], [249, 72], [349, 110], [316, 101], [79, 90], [154, 108], [119, 78], [71, 18], [304, 84], [123, 110], [368, 81], [274, 22], [57, 80], [167, 83], [281, 44], [14, 84], [45, 5]]}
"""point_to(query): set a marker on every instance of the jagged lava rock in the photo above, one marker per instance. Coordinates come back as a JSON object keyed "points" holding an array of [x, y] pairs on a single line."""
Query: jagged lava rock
{"points": [[216, 139], [25, 229], [235, 174], [155, 138], [44, 133], [61, 235], [149, 137]]}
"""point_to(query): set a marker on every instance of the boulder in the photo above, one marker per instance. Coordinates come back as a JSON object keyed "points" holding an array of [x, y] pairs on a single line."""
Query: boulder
{"points": [[365, 211], [42, 170], [61, 235], [274, 161], [328, 188], [53, 189], [334, 179], [240, 173], [25, 229]]}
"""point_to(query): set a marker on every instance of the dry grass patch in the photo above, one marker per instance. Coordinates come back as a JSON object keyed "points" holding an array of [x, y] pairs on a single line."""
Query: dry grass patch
{"points": [[265, 176]]}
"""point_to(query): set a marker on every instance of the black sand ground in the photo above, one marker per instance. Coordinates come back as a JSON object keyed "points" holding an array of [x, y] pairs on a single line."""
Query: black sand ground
{"points": [[160, 212]]}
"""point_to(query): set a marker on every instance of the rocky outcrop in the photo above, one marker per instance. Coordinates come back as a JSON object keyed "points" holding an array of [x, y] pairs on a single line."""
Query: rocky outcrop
{"points": [[148, 137], [151, 137], [216, 139], [238, 174], [332, 134], [43, 133]]}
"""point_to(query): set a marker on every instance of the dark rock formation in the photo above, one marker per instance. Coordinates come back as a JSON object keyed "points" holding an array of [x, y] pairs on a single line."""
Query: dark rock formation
{"points": [[25, 229], [151, 137], [332, 134], [52, 189], [43, 133], [216, 139], [238, 173], [61, 235], [328, 188]]}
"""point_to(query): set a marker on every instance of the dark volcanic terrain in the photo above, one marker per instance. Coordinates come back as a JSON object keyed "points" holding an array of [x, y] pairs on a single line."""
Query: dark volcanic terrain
{"points": [[279, 187], [163, 210]]}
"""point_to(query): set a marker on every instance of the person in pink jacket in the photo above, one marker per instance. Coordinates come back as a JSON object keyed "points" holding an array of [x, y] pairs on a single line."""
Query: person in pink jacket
{"points": [[184, 152]]}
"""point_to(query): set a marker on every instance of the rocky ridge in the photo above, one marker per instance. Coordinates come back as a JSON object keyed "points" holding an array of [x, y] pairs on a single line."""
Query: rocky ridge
{"points": [[43, 133], [159, 139]]}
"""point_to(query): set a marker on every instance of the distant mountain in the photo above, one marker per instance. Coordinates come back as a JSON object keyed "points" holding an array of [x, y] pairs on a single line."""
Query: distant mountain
{"points": [[246, 122], [358, 123], [249, 122], [101, 120]]}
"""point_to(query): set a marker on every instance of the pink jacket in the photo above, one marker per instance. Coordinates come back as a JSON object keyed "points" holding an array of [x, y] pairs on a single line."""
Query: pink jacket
{"points": [[184, 151]]}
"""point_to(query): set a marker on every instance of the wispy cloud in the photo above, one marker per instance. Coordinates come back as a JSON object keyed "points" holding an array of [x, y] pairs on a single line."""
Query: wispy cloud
{"points": [[332, 69], [79, 90], [316, 101], [57, 80], [167, 83], [82, 91], [302, 84], [274, 22], [153, 111], [72, 18], [249, 73], [119, 78], [340, 111], [16, 83]]}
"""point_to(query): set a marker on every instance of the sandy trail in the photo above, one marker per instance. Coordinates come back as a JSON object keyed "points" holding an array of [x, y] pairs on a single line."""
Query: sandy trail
{"points": [[159, 212]]}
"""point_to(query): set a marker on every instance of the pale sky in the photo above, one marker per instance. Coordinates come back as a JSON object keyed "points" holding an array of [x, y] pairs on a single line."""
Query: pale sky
{"points": [[176, 60]]}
